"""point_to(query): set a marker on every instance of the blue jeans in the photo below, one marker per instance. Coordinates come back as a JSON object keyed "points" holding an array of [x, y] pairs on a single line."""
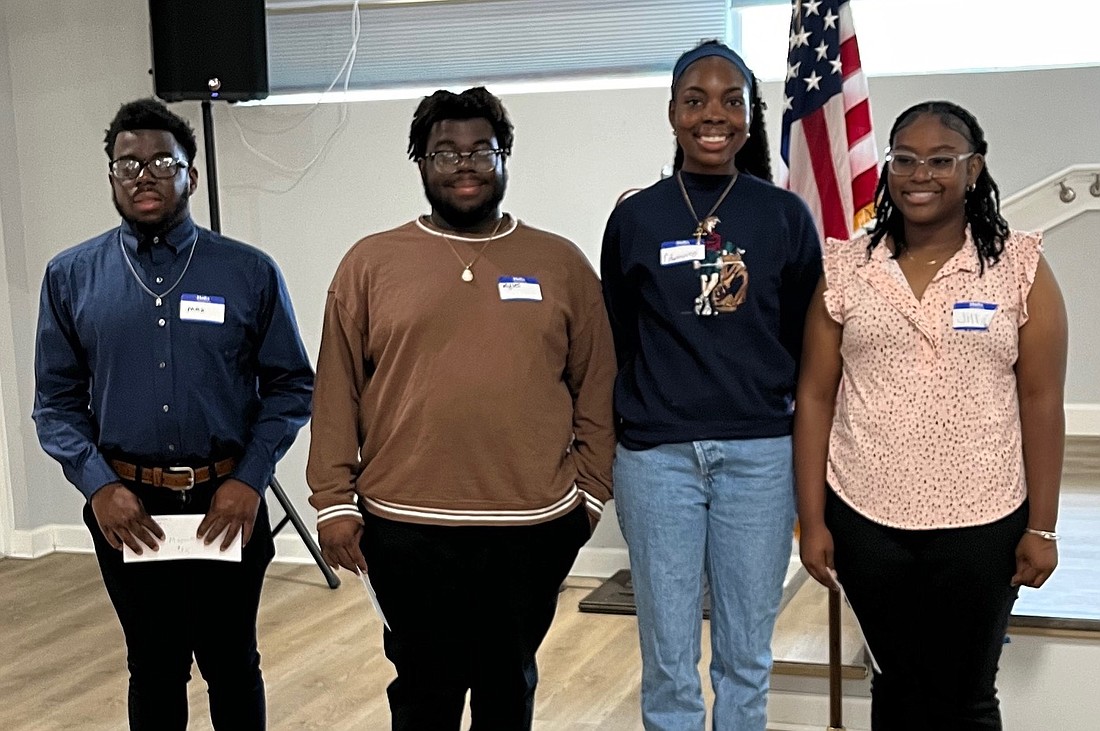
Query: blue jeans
{"points": [[726, 508]]}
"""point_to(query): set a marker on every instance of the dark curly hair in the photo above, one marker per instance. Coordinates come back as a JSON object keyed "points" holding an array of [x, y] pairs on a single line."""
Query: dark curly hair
{"points": [[753, 157], [151, 114], [982, 206], [473, 103]]}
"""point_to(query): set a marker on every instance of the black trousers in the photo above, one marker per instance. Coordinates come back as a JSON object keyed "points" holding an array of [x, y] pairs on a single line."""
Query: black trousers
{"points": [[172, 611], [934, 605], [468, 608]]}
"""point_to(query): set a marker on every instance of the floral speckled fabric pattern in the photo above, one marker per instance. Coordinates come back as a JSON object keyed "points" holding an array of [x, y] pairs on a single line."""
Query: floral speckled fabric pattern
{"points": [[927, 426]]}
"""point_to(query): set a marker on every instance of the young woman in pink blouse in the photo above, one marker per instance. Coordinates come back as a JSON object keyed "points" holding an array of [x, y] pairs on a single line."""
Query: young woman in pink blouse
{"points": [[929, 430]]}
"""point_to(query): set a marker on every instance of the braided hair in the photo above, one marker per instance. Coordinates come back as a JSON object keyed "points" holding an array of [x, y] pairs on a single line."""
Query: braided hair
{"points": [[982, 205], [474, 103]]}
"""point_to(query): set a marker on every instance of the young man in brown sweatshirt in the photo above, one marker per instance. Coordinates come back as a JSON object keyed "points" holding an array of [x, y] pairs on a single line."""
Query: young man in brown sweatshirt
{"points": [[462, 433]]}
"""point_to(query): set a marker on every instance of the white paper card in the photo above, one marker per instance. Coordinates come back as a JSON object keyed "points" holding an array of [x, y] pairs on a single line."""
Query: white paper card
{"points": [[373, 597], [180, 542], [202, 308], [862, 637]]}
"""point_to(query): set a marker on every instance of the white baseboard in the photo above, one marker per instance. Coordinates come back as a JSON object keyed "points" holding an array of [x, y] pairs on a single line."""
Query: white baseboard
{"points": [[1083, 420], [600, 563], [808, 708], [289, 548], [47, 539]]}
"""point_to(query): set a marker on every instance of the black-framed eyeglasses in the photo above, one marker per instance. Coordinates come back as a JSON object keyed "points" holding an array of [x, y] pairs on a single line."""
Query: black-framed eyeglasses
{"points": [[939, 166], [448, 161], [163, 167]]}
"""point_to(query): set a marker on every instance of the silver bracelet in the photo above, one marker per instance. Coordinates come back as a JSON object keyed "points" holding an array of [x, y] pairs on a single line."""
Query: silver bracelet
{"points": [[1045, 534]]}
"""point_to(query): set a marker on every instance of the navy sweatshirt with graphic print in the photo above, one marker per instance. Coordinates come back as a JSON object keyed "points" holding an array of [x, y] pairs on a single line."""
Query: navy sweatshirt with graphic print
{"points": [[708, 333]]}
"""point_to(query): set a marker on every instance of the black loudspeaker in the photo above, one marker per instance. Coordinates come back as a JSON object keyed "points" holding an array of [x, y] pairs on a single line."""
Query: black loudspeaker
{"points": [[209, 49]]}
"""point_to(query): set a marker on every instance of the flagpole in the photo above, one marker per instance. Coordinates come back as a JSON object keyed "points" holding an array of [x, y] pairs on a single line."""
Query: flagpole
{"points": [[836, 697]]}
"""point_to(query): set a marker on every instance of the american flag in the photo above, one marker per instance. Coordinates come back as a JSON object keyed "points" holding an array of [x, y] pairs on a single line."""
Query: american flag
{"points": [[828, 146]]}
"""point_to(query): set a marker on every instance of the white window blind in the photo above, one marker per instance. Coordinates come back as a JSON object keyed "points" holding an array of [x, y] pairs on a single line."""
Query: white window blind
{"points": [[462, 42]]}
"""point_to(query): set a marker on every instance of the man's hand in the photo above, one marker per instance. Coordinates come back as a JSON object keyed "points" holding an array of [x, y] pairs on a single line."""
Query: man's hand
{"points": [[122, 518], [339, 541], [233, 510]]}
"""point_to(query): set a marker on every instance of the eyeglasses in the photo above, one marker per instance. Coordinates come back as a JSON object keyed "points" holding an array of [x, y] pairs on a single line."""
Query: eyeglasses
{"points": [[127, 168], [939, 166], [448, 161]]}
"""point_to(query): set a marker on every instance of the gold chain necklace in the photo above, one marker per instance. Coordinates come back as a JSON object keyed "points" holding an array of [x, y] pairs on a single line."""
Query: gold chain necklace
{"points": [[467, 271], [930, 262], [705, 225]]}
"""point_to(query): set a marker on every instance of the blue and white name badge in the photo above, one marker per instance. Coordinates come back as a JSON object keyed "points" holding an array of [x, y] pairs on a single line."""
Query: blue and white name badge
{"points": [[972, 315], [678, 252], [202, 308], [520, 288]]}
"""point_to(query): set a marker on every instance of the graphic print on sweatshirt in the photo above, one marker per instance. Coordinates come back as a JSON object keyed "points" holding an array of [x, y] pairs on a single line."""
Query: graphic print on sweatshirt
{"points": [[723, 275]]}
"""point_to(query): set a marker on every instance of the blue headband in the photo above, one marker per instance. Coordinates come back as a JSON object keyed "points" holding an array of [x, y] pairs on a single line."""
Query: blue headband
{"points": [[710, 49]]}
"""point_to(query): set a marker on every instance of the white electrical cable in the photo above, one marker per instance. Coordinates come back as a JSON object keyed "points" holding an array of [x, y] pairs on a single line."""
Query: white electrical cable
{"points": [[345, 72]]}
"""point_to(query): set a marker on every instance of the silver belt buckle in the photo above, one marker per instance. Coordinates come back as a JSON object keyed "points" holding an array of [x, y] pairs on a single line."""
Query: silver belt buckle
{"points": [[189, 471]]}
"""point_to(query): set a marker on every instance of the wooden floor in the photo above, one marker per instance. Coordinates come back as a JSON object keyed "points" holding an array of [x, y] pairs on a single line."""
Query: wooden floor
{"points": [[62, 663]]}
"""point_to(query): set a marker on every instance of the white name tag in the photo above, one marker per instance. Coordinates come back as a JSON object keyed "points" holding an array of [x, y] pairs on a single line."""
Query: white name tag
{"points": [[520, 288], [678, 252], [972, 315], [202, 308]]}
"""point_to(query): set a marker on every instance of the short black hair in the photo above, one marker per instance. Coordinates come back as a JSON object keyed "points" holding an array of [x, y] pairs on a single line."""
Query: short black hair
{"points": [[473, 103], [988, 227], [151, 114]]}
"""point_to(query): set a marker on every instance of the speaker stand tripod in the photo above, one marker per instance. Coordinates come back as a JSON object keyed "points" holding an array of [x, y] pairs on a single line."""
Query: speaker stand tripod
{"points": [[290, 513]]}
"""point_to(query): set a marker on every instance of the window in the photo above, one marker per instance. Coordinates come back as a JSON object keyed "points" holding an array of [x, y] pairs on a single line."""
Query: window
{"points": [[451, 42], [935, 36]]}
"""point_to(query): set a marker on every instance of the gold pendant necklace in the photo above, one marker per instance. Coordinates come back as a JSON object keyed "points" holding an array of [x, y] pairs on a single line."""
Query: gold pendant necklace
{"points": [[704, 226], [467, 270]]}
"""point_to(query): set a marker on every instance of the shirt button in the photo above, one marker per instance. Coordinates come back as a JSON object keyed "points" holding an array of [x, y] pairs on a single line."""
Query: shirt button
{"points": [[171, 447], [165, 408], [162, 364], [156, 239], [161, 322], [160, 280]]}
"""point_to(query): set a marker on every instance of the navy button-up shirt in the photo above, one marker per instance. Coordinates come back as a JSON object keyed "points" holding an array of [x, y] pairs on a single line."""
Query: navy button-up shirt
{"points": [[120, 370]]}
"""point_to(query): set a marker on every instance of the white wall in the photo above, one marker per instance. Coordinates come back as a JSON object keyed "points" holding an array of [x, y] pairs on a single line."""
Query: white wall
{"points": [[65, 68]]}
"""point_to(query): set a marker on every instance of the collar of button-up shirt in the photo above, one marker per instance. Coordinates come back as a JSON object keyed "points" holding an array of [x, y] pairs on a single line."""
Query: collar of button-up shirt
{"points": [[177, 240]]}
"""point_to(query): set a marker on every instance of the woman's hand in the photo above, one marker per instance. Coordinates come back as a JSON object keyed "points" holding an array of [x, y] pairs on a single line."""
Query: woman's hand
{"points": [[815, 548], [1036, 559]]}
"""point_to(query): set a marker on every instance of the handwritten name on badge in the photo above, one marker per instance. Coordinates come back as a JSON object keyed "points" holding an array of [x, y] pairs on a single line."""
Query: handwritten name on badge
{"points": [[678, 252], [520, 288], [202, 308], [974, 316]]}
